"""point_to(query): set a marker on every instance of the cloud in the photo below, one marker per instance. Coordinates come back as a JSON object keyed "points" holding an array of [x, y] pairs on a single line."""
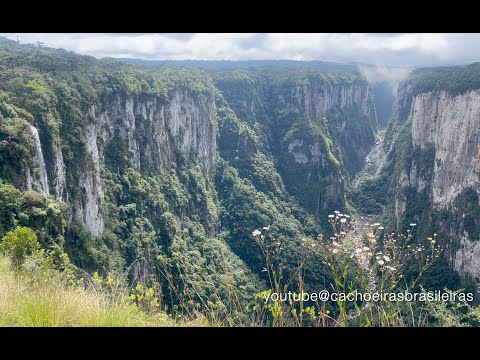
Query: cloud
{"points": [[256, 41], [380, 73], [179, 36], [389, 49]]}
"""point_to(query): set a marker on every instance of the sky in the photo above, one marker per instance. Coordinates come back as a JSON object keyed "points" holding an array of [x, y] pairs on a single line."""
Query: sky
{"points": [[381, 49]]}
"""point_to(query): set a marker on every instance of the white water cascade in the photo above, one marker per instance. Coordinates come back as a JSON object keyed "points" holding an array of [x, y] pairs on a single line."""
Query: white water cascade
{"points": [[40, 160]]}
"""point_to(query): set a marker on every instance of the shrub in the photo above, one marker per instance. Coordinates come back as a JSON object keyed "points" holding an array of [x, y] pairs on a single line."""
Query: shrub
{"points": [[18, 244]]}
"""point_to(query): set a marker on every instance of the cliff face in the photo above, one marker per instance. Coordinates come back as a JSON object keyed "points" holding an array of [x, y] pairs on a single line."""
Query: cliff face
{"points": [[318, 97], [339, 131], [146, 133], [441, 167], [452, 125], [318, 129], [153, 132]]}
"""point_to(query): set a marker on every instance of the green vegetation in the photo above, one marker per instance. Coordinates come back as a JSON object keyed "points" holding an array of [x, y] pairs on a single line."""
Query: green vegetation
{"points": [[15, 154], [354, 135], [370, 196], [453, 79], [18, 244], [466, 213], [174, 168], [45, 216], [309, 176]]}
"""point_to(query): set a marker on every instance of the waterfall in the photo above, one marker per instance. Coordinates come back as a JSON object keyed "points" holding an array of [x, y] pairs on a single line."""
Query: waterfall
{"points": [[40, 160]]}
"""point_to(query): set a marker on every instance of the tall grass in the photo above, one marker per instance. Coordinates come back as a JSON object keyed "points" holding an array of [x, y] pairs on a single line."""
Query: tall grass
{"points": [[24, 302]]}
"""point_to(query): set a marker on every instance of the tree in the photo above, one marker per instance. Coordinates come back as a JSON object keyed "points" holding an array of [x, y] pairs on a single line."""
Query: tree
{"points": [[8, 207], [18, 244]]}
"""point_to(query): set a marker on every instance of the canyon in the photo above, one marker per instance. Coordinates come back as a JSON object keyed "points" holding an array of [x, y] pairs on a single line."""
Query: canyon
{"points": [[156, 164]]}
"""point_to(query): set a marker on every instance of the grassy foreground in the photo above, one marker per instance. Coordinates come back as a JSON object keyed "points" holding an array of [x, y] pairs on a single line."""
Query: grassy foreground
{"points": [[24, 301]]}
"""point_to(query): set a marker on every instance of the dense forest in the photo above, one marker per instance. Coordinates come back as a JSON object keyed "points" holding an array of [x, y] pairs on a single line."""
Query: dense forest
{"points": [[183, 195]]}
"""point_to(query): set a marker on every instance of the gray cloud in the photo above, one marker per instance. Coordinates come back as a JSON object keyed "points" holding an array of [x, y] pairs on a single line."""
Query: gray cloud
{"points": [[383, 49]]}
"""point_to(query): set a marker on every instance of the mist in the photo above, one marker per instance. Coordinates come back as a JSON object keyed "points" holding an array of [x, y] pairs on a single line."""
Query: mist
{"points": [[383, 73]]}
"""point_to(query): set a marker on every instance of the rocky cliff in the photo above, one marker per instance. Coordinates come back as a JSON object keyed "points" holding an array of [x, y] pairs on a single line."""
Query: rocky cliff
{"points": [[437, 178], [153, 132], [146, 133], [452, 125], [329, 130], [317, 126]]}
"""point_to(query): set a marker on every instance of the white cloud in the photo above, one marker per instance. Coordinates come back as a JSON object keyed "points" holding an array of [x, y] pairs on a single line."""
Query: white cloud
{"points": [[377, 49], [392, 75]]}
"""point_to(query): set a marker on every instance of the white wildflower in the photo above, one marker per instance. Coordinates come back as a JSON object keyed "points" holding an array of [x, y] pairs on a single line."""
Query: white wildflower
{"points": [[381, 262], [358, 250], [366, 248], [335, 251], [331, 216], [381, 228], [376, 224], [386, 258], [337, 212], [413, 224], [343, 220], [256, 232]]}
